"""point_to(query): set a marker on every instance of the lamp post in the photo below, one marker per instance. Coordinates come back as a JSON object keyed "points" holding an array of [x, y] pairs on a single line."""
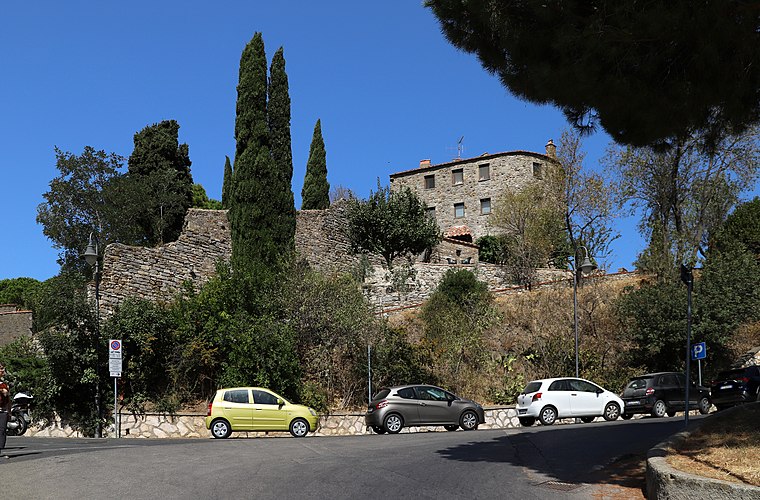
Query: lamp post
{"points": [[91, 257], [586, 267]]}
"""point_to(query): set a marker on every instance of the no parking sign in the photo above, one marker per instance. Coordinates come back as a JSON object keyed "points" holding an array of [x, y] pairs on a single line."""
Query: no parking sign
{"points": [[114, 357]]}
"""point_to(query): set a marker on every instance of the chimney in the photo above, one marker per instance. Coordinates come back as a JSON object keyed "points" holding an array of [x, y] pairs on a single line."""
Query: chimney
{"points": [[424, 163], [551, 150]]}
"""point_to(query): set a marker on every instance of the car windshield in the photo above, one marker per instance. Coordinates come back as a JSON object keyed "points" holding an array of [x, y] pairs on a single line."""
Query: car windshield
{"points": [[532, 387], [638, 383]]}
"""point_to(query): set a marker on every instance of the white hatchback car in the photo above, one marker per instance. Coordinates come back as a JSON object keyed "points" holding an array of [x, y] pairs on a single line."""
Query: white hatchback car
{"points": [[553, 398]]}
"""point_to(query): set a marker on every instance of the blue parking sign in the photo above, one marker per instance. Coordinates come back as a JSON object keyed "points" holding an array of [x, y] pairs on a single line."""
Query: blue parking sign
{"points": [[699, 351]]}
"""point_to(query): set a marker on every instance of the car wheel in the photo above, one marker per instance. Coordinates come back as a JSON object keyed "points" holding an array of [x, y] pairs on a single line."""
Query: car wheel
{"points": [[220, 429], [393, 423], [627, 416], [671, 413], [611, 412], [659, 409], [548, 415], [587, 420], [527, 421], [704, 406], [378, 429], [299, 427], [469, 421], [451, 427]]}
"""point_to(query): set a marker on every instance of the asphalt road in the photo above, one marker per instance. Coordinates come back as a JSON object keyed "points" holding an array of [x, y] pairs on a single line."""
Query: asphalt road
{"points": [[566, 461]]}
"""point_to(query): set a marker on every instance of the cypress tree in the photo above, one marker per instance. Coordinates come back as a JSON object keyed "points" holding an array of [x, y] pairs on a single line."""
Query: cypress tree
{"points": [[281, 194], [316, 190], [227, 183], [250, 211]]}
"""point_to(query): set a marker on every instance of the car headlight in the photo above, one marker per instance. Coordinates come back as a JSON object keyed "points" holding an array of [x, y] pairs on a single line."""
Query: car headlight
{"points": [[312, 412]]}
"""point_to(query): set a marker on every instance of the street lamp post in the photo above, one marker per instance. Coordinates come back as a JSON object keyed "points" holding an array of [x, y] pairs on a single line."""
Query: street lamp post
{"points": [[586, 267], [91, 257]]}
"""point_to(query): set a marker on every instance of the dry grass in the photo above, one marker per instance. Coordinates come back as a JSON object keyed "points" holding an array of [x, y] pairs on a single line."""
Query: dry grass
{"points": [[725, 447]]}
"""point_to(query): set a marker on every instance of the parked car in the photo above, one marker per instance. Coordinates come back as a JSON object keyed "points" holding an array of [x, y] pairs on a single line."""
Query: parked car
{"points": [[393, 408], [733, 387], [257, 409], [664, 393], [554, 398]]}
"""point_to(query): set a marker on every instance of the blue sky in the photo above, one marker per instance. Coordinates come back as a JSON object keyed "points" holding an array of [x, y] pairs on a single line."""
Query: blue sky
{"points": [[387, 86]]}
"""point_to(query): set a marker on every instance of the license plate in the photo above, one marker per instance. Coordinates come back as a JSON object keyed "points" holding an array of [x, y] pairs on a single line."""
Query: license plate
{"points": [[726, 386], [632, 403], [522, 411]]}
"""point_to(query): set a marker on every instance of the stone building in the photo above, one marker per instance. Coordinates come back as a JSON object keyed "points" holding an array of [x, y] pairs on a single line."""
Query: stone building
{"points": [[14, 323], [461, 194]]}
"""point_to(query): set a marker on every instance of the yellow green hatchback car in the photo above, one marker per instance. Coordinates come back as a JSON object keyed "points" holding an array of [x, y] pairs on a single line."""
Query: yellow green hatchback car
{"points": [[257, 409]]}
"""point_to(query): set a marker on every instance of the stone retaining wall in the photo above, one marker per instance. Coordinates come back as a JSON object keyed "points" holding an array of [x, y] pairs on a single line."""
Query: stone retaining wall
{"points": [[161, 426]]}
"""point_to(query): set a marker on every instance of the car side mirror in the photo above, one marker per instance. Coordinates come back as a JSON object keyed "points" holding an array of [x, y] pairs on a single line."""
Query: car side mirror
{"points": [[280, 402]]}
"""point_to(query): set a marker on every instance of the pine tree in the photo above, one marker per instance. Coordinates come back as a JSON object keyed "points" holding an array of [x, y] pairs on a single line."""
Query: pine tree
{"points": [[258, 234], [227, 183], [278, 114], [161, 166], [316, 190]]}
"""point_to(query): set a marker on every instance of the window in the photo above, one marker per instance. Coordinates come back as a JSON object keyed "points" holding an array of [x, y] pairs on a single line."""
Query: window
{"points": [[430, 181], [484, 172], [458, 210], [406, 393], [264, 398], [457, 176], [485, 206], [431, 394], [236, 396], [560, 385], [582, 386], [430, 211], [538, 170]]}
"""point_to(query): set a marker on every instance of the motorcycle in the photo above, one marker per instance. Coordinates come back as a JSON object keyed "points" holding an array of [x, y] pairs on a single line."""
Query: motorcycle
{"points": [[18, 416]]}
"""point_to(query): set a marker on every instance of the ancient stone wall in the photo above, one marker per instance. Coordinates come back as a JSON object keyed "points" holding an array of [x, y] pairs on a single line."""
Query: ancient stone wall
{"points": [[14, 323], [157, 274], [322, 239]]}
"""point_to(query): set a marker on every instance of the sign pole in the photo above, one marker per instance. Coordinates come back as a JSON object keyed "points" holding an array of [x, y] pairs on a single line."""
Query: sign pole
{"points": [[688, 278], [115, 366], [699, 364], [116, 429]]}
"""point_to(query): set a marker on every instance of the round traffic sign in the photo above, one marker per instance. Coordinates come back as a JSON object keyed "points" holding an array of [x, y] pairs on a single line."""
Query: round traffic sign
{"points": [[115, 345]]}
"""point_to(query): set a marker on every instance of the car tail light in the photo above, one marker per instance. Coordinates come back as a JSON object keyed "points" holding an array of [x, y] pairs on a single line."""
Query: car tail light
{"points": [[209, 410], [536, 396], [381, 404], [650, 391], [744, 379]]}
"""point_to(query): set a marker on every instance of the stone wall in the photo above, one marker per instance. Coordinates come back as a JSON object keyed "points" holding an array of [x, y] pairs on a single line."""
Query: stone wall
{"points": [[322, 239], [193, 425], [157, 274], [514, 170], [14, 323], [161, 426]]}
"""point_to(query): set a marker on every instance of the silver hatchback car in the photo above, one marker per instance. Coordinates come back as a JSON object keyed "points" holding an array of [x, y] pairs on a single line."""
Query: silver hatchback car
{"points": [[393, 408]]}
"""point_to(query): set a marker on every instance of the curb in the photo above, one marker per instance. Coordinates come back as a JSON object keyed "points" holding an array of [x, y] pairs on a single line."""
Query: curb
{"points": [[666, 483]]}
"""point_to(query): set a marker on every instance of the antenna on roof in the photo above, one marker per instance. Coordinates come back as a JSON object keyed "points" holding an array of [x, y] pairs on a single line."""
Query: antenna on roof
{"points": [[460, 148]]}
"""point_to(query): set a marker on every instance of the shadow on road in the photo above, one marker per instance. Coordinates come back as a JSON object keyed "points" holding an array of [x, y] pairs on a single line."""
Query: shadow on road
{"points": [[597, 453]]}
